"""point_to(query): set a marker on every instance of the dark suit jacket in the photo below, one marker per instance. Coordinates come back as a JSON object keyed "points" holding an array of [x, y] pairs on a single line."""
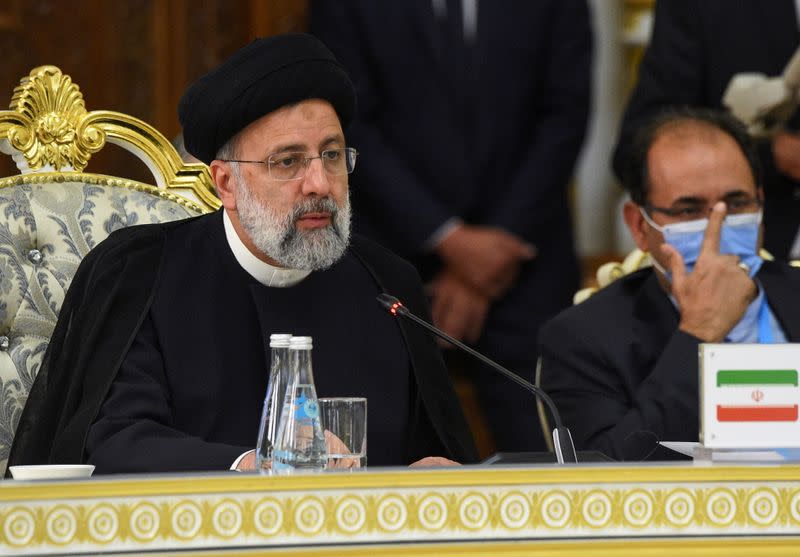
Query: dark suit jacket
{"points": [[696, 47], [621, 373], [187, 412], [495, 147]]}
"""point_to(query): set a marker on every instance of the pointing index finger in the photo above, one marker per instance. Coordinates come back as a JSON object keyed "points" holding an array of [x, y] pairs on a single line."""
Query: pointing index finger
{"points": [[675, 264], [714, 228]]}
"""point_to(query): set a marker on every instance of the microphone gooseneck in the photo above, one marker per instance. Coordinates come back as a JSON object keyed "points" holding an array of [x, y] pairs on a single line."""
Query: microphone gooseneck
{"points": [[562, 439]]}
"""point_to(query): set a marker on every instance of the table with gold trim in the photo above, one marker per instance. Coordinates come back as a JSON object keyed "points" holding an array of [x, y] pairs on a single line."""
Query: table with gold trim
{"points": [[545, 510]]}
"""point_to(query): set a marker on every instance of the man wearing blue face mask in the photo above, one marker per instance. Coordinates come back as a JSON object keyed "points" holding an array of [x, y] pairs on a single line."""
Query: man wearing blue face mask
{"points": [[623, 366]]}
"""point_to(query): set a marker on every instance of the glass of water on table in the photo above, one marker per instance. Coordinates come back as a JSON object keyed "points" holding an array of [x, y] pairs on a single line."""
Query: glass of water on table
{"points": [[344, 421]]}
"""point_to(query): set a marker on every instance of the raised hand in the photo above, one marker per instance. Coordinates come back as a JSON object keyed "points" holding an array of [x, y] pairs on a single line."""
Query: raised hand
{"points": [[714, 296]]}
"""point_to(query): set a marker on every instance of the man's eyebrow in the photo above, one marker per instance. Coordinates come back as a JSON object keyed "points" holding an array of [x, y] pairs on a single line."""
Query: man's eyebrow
{"points": [[693, 200], [336, 138], [689, 200], [294, 147], [737, 193], [300, 148]]}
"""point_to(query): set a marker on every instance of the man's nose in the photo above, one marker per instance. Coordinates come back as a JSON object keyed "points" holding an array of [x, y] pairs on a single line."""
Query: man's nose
{"points": [[316, 180]]}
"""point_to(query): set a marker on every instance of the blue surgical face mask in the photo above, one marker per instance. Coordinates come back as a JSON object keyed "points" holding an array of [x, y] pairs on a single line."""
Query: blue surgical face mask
{"points": [[739, 237]]}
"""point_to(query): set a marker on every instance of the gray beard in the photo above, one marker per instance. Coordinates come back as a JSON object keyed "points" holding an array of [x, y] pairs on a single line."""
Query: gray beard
{"points": [[277, 236]]}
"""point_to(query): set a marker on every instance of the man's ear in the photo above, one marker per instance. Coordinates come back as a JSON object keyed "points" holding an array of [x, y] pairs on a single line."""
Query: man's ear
{"points": [[225, 183], [636, 224]]}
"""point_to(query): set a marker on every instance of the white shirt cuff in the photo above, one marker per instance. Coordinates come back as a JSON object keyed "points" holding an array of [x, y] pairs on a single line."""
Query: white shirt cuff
{"points": [[442, 232]]}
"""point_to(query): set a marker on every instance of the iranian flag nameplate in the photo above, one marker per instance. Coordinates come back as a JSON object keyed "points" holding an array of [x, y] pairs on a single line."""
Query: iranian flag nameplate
{"points": [[749, 396]]}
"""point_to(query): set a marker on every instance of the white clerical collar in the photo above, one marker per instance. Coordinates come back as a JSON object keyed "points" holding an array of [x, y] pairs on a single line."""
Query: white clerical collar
{"points": [[264, 273]]}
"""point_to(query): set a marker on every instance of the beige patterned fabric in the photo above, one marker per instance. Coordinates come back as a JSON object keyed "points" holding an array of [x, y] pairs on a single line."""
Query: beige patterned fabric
{"points": [[45, 231]]}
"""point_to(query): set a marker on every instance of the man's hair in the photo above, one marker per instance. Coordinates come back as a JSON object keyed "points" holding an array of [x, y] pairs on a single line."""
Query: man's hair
{"points": [[636, 174], [229, 149]]}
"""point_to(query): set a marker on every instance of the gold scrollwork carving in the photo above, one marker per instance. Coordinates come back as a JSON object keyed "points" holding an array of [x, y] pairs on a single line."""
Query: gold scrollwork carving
{"points": [[47, 130], [53, 129]]}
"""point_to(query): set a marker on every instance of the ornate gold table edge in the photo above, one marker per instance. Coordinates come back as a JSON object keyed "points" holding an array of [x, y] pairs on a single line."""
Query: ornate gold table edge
{"points": [[398, 511]]}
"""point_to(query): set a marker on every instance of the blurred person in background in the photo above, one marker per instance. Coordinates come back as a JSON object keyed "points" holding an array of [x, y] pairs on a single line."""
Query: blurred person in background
{"points": [[695, 50]]}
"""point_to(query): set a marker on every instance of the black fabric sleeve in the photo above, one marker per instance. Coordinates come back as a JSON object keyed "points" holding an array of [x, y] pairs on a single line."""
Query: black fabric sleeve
{"points": [[441, 428], [588, 385], [98, 318], [423, 439], [133, 431], [437, 420]]}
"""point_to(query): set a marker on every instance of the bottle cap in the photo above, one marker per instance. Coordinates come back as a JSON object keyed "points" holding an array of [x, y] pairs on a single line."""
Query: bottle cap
{"points": [[279, 340], [300, 343]]}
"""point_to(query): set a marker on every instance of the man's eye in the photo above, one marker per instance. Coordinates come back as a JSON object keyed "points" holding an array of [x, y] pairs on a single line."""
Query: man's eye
{"points": [[332, 154], [285, 162], [739, 204], [687, 212]]}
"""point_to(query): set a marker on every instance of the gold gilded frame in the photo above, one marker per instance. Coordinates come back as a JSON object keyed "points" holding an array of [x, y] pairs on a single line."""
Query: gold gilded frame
{"points": [[47, 130]]}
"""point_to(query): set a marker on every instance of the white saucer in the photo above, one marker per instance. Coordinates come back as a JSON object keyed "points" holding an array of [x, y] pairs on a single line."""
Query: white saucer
{"points": [[51, 471]]}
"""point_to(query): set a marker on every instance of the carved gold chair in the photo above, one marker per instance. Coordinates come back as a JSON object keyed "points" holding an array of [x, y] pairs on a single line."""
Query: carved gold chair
{"points": [[54, 212], [611, 271]]}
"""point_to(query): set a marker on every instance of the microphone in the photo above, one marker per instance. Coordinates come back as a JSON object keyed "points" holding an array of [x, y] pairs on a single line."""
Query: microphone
{"points": [[562, 439]]}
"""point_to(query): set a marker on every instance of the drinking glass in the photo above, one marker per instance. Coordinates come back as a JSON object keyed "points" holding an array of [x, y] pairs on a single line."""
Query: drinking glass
{"points": [[344, 421]]}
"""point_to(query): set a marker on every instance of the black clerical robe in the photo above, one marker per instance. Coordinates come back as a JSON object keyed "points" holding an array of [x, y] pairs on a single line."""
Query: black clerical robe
{"points": [[159, 359]]}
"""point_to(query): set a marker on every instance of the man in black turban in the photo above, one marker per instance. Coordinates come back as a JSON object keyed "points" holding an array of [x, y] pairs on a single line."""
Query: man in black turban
{"points": [[177, 380]]}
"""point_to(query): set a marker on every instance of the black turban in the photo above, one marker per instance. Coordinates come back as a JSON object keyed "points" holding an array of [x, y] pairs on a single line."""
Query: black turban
{"points": [[262, 77]]}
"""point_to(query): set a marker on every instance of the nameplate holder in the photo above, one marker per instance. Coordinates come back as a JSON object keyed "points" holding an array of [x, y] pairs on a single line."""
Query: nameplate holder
{"points": [[749, 396]]}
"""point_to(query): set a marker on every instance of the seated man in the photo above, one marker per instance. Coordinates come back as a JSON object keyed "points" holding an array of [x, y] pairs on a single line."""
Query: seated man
{"points": [[623, 366], [159, 361]]}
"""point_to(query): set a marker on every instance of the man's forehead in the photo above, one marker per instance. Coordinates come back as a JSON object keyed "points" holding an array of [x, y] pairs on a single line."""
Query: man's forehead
{"points": [[696, 160]]}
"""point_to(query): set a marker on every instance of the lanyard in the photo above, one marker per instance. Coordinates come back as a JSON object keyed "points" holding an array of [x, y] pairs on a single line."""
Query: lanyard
{"points": [[765, 335]]}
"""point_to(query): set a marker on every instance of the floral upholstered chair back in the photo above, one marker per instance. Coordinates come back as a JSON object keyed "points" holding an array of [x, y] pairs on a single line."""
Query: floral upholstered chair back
{"points": [[54, 212]]}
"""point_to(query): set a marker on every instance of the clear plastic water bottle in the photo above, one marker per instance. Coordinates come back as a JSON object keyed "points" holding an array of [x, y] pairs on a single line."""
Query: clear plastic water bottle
{"points": [[280, 375], [300, 441]]}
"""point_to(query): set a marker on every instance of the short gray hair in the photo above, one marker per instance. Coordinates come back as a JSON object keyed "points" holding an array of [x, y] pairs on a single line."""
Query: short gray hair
{"points": [[230, 151]]}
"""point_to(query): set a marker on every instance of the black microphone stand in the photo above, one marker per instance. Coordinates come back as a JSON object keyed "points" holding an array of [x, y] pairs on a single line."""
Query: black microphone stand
{"points": [[562, 439]]}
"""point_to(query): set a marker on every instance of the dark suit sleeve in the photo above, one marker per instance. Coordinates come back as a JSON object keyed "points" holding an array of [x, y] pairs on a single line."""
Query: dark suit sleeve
{"points": [[671, 72], [563, 110], [591, 387], [391, 181], [134, 431]]}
